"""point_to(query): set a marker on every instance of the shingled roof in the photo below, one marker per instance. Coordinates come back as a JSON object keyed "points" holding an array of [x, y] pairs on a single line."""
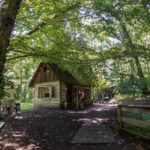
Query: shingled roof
{"points": [[62, 75]]}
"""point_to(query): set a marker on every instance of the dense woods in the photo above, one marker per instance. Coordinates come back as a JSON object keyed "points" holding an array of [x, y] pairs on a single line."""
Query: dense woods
{"points": [[102, 42]]}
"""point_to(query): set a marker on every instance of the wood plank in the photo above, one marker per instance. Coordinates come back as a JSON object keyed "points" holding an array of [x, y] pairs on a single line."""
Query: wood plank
{"points": [[136, 110], [135, 133], [139, 123], [2, 124], [137, 115], [93, 134], [63, 91], [136, 105]]}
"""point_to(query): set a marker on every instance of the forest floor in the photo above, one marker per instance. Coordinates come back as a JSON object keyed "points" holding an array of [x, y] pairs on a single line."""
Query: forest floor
{"points": [[49, 129]]}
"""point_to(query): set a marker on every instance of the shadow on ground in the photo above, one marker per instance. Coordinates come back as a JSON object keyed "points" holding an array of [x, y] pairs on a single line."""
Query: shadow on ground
{"points": [[49, 129]]}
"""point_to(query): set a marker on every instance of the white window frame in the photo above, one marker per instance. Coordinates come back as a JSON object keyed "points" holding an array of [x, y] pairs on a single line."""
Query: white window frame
{"points": [[49, 91]]}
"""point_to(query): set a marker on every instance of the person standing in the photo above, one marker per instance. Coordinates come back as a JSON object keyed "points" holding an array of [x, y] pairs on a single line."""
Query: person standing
{"points": [[80, 99]]}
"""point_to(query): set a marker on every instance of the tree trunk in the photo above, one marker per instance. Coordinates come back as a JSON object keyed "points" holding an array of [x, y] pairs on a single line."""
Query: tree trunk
{"points": [[21, 82], [143, 82], [8, 13], [2, 66]]}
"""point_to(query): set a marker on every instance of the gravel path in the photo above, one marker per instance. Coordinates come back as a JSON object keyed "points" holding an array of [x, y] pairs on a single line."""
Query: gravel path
{"points": [[49, 129]]}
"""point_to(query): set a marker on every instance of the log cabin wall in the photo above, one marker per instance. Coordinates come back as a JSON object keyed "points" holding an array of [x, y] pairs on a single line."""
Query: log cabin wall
{"points": [[75, 93], [87, 94], [53, 99], [45, 74], [88, 100], [63, 94]]}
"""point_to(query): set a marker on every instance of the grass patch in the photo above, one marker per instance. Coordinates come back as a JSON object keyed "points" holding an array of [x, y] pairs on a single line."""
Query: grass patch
{"points": [[26, 106]]}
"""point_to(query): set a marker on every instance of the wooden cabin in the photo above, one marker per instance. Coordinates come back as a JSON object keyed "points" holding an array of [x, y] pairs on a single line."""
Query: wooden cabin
{"points": [[55, 88]]}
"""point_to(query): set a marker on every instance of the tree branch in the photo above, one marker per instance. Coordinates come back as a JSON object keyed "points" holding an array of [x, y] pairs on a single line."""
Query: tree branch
{"points": [[47, 21]]}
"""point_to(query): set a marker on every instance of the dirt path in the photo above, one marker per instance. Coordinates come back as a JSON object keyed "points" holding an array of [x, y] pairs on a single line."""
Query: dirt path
{"points": [[47, 129]]}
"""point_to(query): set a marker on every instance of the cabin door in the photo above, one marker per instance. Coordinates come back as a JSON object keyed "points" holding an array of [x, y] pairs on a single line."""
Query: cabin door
{"points": [[69, 95]]}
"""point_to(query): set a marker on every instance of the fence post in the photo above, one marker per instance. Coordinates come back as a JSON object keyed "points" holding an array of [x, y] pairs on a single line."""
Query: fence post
{"points": [[120, 117]]}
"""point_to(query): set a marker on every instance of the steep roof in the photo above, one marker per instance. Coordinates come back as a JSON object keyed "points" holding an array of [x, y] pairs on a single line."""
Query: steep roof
{"points": [[62, 75]]}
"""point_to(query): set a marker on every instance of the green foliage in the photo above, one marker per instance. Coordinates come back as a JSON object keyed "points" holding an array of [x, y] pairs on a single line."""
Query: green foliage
{"points": [[20, 73], [102, 42], [128, 87], [128, 18], [8, 84], [27, 106]]}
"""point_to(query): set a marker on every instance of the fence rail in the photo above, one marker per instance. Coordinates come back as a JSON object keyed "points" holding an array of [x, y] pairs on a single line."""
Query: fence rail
{"points": [[135, 119]]}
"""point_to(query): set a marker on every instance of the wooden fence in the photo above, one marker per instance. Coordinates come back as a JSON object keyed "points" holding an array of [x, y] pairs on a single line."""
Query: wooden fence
{"points": [[135, 119]]}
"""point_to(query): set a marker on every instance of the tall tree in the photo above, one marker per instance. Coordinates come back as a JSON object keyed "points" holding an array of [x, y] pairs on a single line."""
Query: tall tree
{"points": [[8, 12], [124, 22]]}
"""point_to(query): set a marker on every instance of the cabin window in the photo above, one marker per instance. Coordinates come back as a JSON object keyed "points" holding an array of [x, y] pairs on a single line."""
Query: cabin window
{"points": [[53, 92], [43, 92]]}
